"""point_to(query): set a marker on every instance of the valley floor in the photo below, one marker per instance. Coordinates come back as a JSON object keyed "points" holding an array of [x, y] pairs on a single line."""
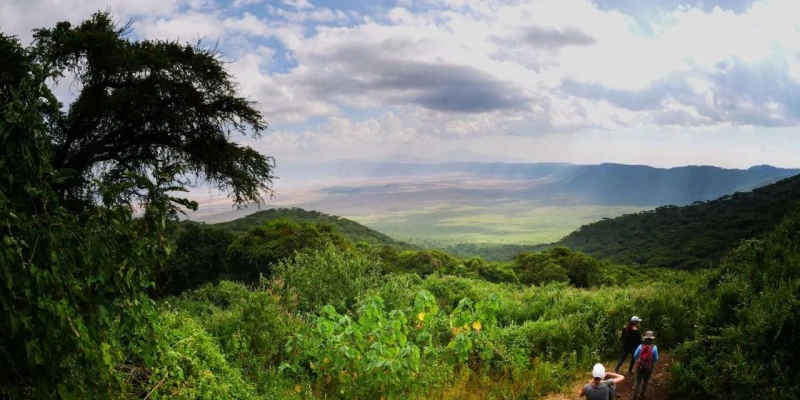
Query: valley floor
{"points": [[657, 389]]}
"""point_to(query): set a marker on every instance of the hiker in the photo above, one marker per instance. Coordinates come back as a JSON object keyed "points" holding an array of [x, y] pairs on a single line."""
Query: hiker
{"points": [[601, 387], [631, 339], [646, 356]]}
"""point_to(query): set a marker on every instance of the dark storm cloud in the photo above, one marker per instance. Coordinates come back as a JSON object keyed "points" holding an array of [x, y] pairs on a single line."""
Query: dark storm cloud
{"points": [[438, 86]]}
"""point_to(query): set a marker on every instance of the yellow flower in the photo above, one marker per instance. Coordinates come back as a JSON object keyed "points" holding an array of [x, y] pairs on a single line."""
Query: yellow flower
{"points": [[297, 388], [476, 325], [421, 316]]}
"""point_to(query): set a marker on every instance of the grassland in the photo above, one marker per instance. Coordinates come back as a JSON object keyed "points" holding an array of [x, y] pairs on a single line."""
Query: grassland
{"points": [[495, 224]]}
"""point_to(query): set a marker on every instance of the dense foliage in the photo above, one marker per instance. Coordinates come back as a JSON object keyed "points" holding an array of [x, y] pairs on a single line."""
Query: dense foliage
{"points": [[749, 343], [200, 256], [491, 251], [695, 236], [350, 229], [255, 253], [85, 196], [69, 280]]}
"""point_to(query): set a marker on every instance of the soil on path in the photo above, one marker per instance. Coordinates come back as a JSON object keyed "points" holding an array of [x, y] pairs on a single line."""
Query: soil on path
{"points": [[657, 388]]}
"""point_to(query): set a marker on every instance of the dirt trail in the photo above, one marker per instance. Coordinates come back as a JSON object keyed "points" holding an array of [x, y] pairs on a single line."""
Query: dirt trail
{"points": [[657, 388]]}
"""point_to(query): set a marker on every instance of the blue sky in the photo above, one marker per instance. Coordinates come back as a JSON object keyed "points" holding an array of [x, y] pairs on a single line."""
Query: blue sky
{"points": [[662, 82]]}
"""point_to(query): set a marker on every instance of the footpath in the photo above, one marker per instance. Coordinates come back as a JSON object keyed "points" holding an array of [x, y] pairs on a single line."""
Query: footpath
{"points": [[657, 388]]}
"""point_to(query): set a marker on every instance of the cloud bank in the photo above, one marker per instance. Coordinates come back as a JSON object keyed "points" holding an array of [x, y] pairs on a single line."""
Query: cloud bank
{"points": [[337, 79]]}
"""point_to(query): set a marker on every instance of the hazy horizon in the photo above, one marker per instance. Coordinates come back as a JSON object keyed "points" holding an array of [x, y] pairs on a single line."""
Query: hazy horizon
{"points": [[449, 203]]}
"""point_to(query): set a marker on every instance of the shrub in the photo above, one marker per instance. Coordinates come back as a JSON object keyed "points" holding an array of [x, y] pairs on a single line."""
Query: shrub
{"points": [[256, 252], [330, 276], [426, 262], [199, 258], [552, 265], [249, 324], [189, 365], [498, 273], [543, 273]]}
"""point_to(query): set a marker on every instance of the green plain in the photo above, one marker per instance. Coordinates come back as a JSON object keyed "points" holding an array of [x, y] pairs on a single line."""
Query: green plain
{"points": [[501, 224]]}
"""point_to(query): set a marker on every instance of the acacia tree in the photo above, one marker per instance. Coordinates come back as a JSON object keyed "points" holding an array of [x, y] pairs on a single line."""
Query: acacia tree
{"points": [[152, 108], [75, 264]]}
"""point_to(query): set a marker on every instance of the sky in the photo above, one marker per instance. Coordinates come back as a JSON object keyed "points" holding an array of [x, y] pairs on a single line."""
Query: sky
{"points": [[657, 82]]}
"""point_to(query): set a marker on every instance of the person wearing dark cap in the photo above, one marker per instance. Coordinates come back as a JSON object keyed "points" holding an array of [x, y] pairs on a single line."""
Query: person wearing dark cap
{"points": [[631, 339], [646, 356]]}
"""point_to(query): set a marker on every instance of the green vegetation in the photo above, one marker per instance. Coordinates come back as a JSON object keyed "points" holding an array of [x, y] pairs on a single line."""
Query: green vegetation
{"points": [[495, 232], [101, 302], [76, 264], [694, 236], [747, 344], [347, 228]]}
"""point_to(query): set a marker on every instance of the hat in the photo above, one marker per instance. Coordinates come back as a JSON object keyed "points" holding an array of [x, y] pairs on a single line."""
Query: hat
{"points": [[636, 319], [649, 335], [599, 371]]}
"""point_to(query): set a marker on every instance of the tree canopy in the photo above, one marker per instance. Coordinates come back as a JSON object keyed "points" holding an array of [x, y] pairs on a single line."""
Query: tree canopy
{"points": [[157, 109], [688, 237]]}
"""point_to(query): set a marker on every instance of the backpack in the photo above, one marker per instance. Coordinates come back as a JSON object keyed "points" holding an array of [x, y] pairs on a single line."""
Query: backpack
{"points": [[612, 392], [645, 360]]}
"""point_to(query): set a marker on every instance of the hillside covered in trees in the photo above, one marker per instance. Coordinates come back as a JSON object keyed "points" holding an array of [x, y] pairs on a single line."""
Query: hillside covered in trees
{"points": [[688, 237], [347, 228]]}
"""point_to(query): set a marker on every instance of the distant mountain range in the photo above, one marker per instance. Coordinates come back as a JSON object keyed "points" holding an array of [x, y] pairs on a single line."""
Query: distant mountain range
{"points": [[551, 183]]}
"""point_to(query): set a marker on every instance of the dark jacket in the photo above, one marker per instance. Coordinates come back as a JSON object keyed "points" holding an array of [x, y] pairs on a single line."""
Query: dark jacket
{"points": [[631, 337]]}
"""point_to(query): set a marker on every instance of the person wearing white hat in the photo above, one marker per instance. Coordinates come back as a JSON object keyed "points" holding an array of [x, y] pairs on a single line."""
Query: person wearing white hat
{"points": [[631, 339], [601, 385]]}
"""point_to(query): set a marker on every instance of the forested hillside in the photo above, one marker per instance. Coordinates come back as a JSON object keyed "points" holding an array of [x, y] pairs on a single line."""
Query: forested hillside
{"points": [[347, 228], [694, 236]]}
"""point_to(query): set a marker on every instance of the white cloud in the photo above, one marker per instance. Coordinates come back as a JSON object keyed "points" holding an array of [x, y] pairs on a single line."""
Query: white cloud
{"points": [[298, 4], [458, 70]]}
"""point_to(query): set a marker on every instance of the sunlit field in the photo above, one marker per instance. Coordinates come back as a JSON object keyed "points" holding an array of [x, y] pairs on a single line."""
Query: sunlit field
{"points": [[517, 223]]}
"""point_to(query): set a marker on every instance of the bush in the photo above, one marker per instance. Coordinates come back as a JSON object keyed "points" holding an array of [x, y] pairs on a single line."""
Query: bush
{"points": [[425, 262], [330, 276], [498, 273], [190, 365], [399, 291], [256, 252], [199, 258], [556, 264], [249, 324], [543, 273]]}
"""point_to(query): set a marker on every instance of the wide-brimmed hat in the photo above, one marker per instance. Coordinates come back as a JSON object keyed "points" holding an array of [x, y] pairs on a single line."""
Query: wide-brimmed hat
{"points": [[649, 335]]}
